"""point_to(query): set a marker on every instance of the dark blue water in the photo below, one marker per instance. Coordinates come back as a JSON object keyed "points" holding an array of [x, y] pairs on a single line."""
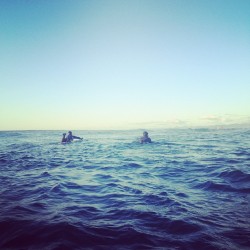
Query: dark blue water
{"points": [[190, 189]]}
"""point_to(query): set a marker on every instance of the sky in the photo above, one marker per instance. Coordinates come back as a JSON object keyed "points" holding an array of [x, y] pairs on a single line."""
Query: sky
{"points": [[124, 64]]}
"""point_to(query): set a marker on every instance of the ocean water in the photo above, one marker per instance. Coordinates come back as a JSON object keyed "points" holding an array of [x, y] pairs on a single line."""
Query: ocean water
{"points": [[189, 189]]}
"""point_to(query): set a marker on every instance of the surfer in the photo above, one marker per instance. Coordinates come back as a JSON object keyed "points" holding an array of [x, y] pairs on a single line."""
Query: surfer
{"points": [[145, 138], [64, 138], [70, 137]]}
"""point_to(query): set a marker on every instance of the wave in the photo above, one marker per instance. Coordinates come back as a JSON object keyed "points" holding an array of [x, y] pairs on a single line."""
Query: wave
{"points": [[242, 152], [188, 190], [67, 236], [29, 234], [235, 176], [213, 186]]}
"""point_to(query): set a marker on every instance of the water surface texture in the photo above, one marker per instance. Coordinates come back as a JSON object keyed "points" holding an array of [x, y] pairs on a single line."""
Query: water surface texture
{"points": [[189, 189]]}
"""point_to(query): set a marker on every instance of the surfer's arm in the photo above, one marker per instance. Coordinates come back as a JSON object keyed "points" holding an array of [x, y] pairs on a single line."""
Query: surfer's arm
{"points": [[76, 137]]}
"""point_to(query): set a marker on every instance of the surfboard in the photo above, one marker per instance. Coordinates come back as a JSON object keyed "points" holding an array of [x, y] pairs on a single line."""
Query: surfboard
{"points": [[74, 140]]}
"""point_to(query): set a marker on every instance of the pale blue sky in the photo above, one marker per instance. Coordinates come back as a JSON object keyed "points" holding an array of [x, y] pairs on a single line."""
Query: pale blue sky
{"points": [[123, 64]]}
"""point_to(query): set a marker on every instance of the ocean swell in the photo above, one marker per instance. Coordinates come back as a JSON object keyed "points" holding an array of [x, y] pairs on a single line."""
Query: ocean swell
{"points": [[189, 189]]}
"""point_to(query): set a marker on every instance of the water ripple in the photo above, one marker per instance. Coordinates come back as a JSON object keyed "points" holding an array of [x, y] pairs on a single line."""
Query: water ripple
{"points": [[189, 189]]}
